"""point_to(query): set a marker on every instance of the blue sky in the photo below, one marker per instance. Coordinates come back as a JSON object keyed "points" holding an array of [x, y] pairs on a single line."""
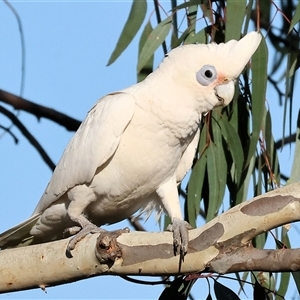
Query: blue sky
{"points": [[68, 44]]}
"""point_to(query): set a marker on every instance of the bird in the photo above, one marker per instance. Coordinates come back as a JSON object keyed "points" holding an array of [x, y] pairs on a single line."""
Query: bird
{"points": [[135, 146]]}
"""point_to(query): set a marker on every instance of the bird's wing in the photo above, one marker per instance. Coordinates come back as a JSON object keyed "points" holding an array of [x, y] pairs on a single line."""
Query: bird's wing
{"points": [[13, 236], [92, 145], [187, 158]]}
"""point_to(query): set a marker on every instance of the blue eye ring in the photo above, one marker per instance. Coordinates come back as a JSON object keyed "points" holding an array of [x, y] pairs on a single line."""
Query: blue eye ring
{"points": [[206, 75]]}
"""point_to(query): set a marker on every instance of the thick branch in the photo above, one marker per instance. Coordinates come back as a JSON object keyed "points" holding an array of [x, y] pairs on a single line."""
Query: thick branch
{"points": [[252, 259], [223, 245], [39, 111]]}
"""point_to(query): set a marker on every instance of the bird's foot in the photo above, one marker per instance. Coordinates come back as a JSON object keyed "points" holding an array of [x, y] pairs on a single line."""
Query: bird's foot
{"points": [[85, 228], [180, 235], [80, 233]]}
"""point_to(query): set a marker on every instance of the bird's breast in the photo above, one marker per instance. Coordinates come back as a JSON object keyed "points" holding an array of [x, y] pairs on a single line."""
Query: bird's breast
{"points": [[148, 154]]}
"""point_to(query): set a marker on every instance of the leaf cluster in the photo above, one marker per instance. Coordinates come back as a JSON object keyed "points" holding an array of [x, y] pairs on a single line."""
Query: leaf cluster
{"points": [[237, 154]]}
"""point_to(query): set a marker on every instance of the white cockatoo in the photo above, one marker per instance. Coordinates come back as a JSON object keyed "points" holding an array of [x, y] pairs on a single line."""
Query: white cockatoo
{"points": [[136, 145]]}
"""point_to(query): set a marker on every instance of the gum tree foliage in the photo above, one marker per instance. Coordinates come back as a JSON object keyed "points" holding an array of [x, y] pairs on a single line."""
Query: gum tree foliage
{"points": [[237, 155], [237, 152]]}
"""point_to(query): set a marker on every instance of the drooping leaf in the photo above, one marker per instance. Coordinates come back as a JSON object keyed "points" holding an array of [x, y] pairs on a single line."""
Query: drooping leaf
{"points": [[195, 189], [296, 276], [224, 293], [186, 5], [134, 22], [295, 174], [234, 146], [248, 15], [296, 18], [182, 39], [259, 293], [284, 276], [220, 154], [271, 150], [179, 289], [215, 196], [288, 95], [259, 85], [148, 67], [267, 281], [283, 287], [258, 181], [191, 18], [154, 40], [235, 14], [199, 37], [242, 281], [209, 297], [196, 181]]}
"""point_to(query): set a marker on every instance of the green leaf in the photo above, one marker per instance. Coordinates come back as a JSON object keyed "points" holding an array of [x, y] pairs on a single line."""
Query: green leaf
{"points": [[179, 289], [199, 37], [296, 276], [258, 185], [154, 40], [248, 16], [191, 18], [177, 41], [220, 154], [194, 190], [242, 281], [234, 145], [186, 5], [284, 283], [284, 276], [289, 91], [196, 181], [296, 18], [148, 67], [235, 14], [215, 197], [295, 174], [259, 85], [260, 240], [223, 292], [270, 148], [259, 292], [242, 193], [134, 22]]}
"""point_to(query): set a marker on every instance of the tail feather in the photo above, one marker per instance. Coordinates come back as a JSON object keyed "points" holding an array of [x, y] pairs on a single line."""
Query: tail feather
{"points": [[19, 235]]}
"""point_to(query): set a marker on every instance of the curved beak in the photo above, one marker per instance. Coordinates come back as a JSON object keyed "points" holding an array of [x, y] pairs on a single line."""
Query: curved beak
{"points": [[224, 93]]}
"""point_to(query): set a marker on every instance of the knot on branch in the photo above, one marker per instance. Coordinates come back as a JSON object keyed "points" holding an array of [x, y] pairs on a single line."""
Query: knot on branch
{"points": [[107, 248]]}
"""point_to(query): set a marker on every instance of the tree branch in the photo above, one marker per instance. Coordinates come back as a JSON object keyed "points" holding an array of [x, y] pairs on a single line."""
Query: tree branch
{"points": [[32, 140], [219, 246], [39, 111]]}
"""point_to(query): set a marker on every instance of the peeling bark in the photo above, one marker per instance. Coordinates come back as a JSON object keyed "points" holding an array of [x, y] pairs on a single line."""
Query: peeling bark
{"points": [[221, 246]]}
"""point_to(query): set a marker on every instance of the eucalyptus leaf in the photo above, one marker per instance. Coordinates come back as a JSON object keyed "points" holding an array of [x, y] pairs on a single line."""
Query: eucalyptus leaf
{"points": [[154, 40], [134, 22]]}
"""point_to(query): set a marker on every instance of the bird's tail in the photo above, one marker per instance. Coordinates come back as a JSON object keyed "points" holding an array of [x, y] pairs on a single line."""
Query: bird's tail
{"points": [[19, 235]]}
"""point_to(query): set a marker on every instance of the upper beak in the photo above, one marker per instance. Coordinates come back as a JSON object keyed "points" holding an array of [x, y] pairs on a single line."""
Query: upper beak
{"points": [[224, 93]]}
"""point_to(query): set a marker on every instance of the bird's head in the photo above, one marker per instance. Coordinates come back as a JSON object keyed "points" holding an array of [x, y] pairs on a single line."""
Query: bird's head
{"points": [[209, 71]]}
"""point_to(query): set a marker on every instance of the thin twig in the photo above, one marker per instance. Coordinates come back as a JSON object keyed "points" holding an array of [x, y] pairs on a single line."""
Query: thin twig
{"points": [[156, 7], [174, 19], [22, 45], [29, 137], [8, 130]]}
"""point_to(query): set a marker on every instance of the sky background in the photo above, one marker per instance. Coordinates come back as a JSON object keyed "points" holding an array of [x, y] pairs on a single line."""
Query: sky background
{"points": [[68, 44]]}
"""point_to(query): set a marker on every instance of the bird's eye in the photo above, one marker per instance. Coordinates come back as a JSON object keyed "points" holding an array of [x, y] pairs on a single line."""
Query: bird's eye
{"points": [[206, 75]]}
